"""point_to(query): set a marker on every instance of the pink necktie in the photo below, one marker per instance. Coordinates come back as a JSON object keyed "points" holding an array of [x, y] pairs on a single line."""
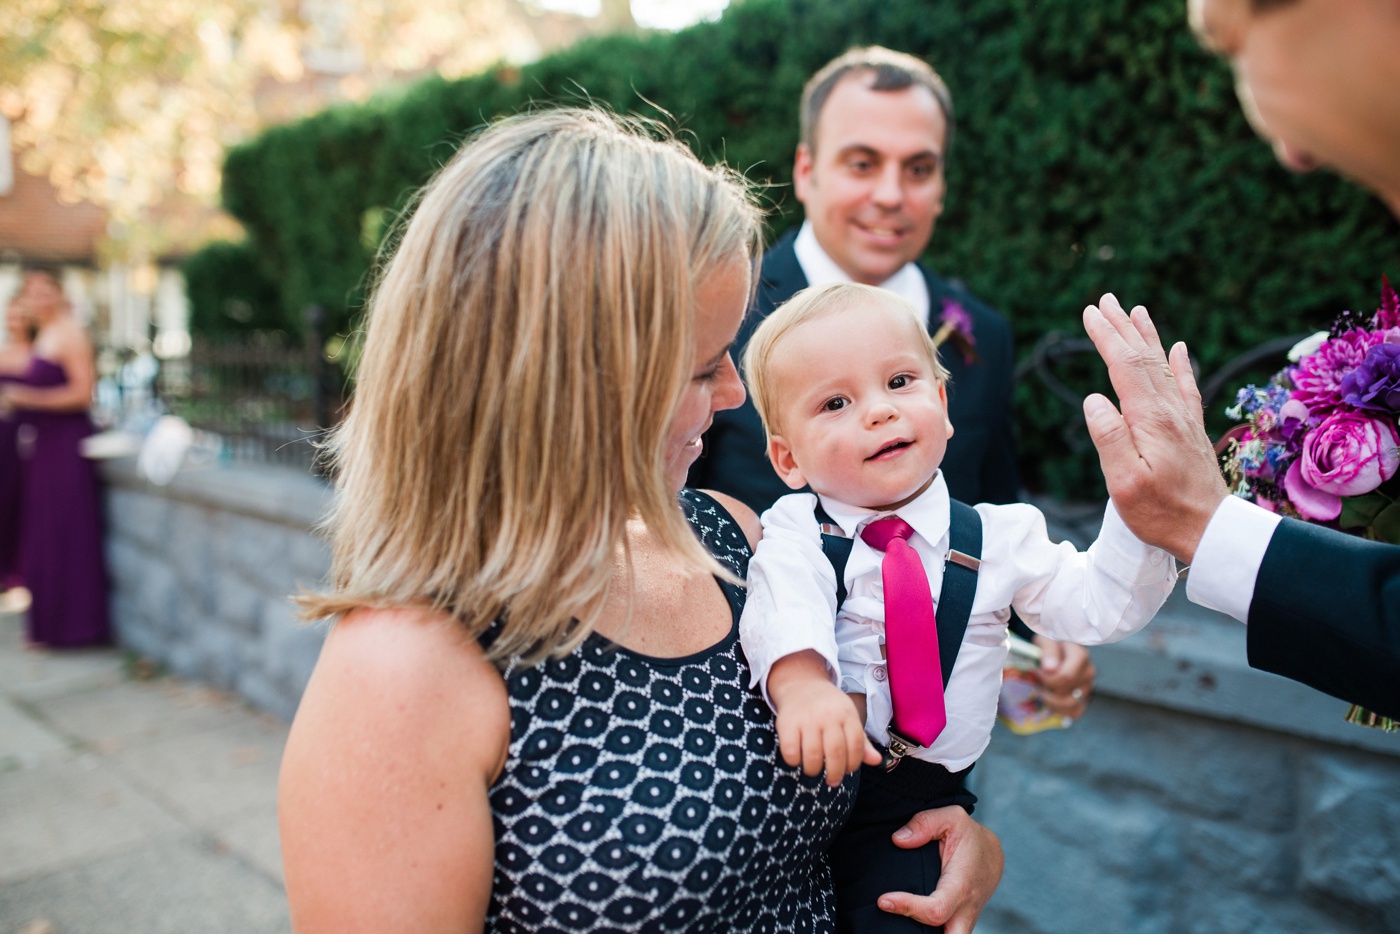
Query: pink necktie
{"points": [[911, 634]]}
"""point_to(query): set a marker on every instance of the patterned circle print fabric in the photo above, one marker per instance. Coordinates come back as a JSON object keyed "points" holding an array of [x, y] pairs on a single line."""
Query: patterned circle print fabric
{"points": [[646, 794]]}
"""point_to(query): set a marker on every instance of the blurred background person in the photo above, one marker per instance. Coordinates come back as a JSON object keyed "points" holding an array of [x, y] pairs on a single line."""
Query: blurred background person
{"points": [[14, 360], [60, 528]]}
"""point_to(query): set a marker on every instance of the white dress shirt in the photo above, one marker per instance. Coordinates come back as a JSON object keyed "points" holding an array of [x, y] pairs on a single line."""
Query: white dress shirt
{"points": [[1101, 595], [908, 283], [1229, 556]]}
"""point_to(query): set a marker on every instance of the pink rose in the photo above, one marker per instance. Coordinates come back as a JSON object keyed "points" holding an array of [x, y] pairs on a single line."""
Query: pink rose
{"points": [[1346, 455]]}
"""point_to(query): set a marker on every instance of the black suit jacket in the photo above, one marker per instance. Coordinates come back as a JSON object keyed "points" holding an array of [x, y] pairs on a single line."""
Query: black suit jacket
{"points": [[1326, 612], [980, 466]]}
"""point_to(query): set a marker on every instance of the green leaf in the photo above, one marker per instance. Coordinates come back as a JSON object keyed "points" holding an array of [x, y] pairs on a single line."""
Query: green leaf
{"points": [[1386, 527], [1360, 511]]}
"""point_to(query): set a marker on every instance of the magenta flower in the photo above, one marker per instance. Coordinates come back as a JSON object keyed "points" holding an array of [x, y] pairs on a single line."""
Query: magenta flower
{"points": [[1348, 454], [1388, 315], [1317, 379]]}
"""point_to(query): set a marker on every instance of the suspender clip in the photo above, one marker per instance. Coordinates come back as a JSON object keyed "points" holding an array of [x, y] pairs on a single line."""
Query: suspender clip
{"points": [[898, 748]]}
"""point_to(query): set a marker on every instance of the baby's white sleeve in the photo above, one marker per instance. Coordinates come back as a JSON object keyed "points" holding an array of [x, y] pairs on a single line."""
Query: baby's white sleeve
{"points": [[791, 604], [1100, 595]]}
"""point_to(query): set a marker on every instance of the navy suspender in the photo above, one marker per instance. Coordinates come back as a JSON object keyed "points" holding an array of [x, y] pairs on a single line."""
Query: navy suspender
{"points": [[837, 549], [959, 575]]}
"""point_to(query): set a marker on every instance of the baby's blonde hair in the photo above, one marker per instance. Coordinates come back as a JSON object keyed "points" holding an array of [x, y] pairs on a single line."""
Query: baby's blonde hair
{"points": [[528, 346], [810, 305]]}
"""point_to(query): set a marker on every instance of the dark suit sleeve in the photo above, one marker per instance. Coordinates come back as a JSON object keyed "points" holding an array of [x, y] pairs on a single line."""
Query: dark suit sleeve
{"points": [[980, 466], [1000, 482], [1326, 612], [980, 463]]}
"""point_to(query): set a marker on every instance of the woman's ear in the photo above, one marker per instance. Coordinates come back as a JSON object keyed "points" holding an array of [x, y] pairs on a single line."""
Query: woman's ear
{"points": [[783, 462]]}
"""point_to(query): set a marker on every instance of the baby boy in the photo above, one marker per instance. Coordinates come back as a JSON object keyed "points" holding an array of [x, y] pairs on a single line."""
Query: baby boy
{"points": [[855, 405]]}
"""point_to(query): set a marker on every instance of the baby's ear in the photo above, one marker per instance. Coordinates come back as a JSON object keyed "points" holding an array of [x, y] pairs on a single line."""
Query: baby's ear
{"points": [[781, 455], [943, 398]]}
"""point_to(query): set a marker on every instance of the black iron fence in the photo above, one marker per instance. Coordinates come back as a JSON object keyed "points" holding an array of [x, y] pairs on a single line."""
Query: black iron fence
{"points": [[260, 397], [1065, 366], [264, 398]]}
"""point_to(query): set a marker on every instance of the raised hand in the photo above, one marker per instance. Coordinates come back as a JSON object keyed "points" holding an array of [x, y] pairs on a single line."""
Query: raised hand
{"points": [[1158, 462]]}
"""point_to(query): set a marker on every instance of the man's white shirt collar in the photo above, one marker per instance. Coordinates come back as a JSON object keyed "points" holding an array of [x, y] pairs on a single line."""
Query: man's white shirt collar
{"points": [[820, 269]]}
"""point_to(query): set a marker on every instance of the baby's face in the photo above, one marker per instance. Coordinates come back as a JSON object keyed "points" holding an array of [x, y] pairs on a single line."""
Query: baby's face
{"points": [[864, 418]]}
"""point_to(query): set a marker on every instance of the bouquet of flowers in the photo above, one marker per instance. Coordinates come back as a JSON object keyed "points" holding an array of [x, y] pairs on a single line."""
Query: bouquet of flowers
{"points": [[1320, 441]]}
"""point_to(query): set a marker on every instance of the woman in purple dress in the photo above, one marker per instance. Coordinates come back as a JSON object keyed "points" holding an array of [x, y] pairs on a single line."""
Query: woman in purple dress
{"points": [[14, 360], [60, 506]]}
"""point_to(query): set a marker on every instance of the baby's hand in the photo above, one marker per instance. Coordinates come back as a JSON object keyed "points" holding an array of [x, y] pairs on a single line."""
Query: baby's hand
{"points": [[818, 725]]}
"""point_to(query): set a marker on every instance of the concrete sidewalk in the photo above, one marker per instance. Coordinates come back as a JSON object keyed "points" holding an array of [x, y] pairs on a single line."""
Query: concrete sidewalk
{"points": [[130, 805]]}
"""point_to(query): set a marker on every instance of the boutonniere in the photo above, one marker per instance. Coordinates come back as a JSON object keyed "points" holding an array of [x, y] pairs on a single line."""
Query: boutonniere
{"points": [[955, 327]]}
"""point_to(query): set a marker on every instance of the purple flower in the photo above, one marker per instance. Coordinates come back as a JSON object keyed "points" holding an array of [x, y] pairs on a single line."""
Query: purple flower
{"points": [[1292, 422], [956, 328], [1346, 455], [1317, 378], [956, 315], [1375, 384]]}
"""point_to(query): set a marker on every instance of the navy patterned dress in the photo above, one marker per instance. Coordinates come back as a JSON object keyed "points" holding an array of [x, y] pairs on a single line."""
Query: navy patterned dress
{"points": [[646, 794]]}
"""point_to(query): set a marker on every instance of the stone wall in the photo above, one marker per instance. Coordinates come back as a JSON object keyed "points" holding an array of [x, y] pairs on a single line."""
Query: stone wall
{"points": [[1197, 795], [203, 571]]}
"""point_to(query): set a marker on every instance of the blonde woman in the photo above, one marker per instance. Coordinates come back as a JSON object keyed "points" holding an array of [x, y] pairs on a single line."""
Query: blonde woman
{"points": [[532, 711]]}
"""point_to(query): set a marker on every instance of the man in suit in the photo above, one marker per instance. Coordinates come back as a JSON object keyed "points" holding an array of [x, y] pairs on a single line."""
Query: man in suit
{"points": [[875, 129], [1319, 79]]}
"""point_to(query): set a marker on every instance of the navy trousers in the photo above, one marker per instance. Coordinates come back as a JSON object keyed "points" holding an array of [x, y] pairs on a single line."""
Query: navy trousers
{"points": [[866, 864]]}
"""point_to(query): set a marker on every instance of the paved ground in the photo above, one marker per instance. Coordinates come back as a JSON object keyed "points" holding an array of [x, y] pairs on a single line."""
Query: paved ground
{"points": [[130, 805]]}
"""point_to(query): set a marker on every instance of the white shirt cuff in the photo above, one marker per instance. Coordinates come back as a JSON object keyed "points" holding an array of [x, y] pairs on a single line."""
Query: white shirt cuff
{"points": [[1229, 555]]}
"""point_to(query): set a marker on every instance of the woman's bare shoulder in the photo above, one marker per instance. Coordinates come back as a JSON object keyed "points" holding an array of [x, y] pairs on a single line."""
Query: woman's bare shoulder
{"points": [[383, 797], [64, 335], [417, 674], [13, 359]]}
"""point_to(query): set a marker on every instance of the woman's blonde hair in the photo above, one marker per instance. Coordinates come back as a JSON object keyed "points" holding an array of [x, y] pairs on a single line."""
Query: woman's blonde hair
{"points": [[809, 305], [527, 349]]}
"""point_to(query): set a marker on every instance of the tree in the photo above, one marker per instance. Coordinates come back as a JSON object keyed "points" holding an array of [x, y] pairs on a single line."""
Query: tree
{"points": [[131, 103]]}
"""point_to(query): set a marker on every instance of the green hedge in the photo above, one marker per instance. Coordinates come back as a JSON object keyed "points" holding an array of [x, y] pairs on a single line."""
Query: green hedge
{"points": [[228, 293], [1098, 148]]}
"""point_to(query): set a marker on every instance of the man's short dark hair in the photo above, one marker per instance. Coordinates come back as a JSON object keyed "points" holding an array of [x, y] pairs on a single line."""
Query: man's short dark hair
{"points": [[893, 71]]}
